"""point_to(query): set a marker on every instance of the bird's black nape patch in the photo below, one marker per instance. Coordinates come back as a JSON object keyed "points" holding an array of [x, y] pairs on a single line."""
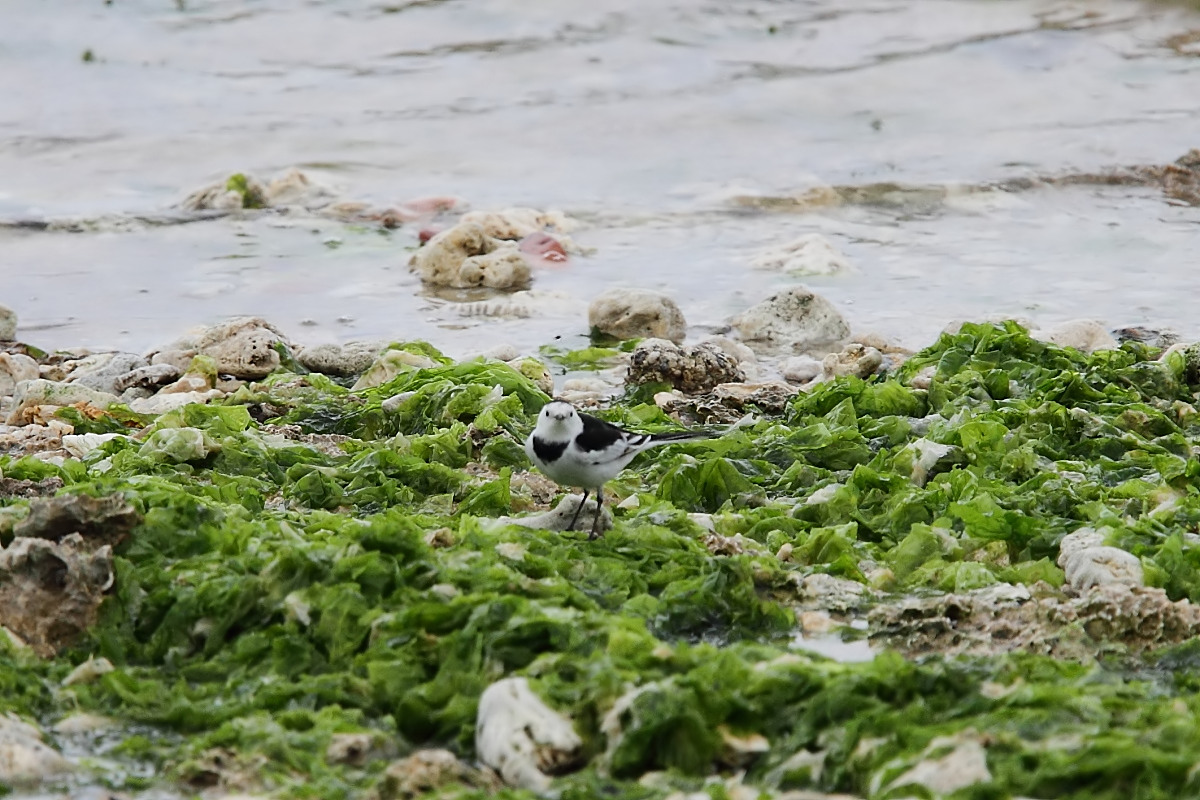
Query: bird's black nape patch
{"points": [[548, 451], [597, 434]]}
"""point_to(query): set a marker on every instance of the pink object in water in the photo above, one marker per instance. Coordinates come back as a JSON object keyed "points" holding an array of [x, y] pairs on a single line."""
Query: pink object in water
{"points": [[542, 248]]}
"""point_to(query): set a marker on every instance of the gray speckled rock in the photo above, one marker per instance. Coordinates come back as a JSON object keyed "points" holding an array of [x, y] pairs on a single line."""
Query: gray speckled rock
{"points": [[105, 372], [794, 319], [351, 358], [8, 324], [689, 369], [637, 313]]}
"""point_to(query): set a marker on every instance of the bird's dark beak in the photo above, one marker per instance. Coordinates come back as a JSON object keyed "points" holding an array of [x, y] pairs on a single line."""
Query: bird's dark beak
{"points": [[560, 416]]}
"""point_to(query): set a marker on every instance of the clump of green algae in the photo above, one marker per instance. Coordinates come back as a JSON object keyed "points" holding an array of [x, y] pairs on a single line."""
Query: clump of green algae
{"points": [[275, 595]]}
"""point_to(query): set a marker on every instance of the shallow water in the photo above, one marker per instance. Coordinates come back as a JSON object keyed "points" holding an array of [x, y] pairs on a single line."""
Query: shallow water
{"points": [[643, 120]]}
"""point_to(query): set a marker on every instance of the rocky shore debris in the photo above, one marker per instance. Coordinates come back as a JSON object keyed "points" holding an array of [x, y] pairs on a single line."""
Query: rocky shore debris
{"points": [[1005, 618], [522, 738], [637, 313], [50, 591], [795, 319], [244, 347], [428, 771], [691, 369]]}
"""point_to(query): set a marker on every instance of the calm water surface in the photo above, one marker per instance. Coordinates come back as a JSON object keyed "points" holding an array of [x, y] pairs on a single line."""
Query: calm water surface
{"points": [[642, 120]]}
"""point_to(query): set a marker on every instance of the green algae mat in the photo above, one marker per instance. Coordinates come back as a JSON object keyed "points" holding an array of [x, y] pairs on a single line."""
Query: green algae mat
{"points": [[304, 562]]}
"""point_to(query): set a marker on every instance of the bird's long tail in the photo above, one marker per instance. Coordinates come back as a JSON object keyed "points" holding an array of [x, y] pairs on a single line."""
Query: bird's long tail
{"points": [[682, 436]]}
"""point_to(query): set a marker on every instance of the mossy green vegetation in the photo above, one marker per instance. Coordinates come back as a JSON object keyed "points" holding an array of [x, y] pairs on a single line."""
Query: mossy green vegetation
{"points": [[277, 593]]}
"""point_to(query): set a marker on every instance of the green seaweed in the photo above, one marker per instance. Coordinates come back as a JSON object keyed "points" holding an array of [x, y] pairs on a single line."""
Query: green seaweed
{"points": [[277, 594]]}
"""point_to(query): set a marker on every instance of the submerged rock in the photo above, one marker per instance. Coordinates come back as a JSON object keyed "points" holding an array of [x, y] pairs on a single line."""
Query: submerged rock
{"points": [[465, 256], [8, 324], [50, 592], [810, 254], [517, 223], [690, 369], [794, 319], [522, 738], [637, 313]]}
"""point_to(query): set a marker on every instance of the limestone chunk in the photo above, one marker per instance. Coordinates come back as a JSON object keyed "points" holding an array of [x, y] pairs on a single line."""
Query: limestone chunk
{"points": [[637, 313], [521, 737]]}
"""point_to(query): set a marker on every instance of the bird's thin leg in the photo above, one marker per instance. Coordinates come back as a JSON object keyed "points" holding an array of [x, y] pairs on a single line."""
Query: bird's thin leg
{"points": [[578, 508], [596, 521]]}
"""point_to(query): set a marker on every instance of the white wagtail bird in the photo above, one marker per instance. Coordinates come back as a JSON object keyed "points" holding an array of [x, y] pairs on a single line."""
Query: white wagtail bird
{"points": [[577, 449]]}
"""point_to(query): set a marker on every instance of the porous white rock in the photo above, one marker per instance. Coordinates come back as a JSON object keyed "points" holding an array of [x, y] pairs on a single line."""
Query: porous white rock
{"points": [[637, 313], [793, 319], [1087, 561], [88, 671], [521, 737], [965, 765], [465, 256], [810, 254], [104, 371], [244, 347], [831, 592], [559, 517], [25, 760], [517, 223], [857, 360], [1085, 335], [28, 395], [14, 368]]}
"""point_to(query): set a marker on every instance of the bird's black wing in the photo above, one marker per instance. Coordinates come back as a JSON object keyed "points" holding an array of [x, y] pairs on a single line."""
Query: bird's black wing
{"points": [[599, 435]]}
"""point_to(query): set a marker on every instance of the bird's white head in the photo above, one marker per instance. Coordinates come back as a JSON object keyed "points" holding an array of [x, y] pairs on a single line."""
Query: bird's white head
{"points": [[558, 421]]}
